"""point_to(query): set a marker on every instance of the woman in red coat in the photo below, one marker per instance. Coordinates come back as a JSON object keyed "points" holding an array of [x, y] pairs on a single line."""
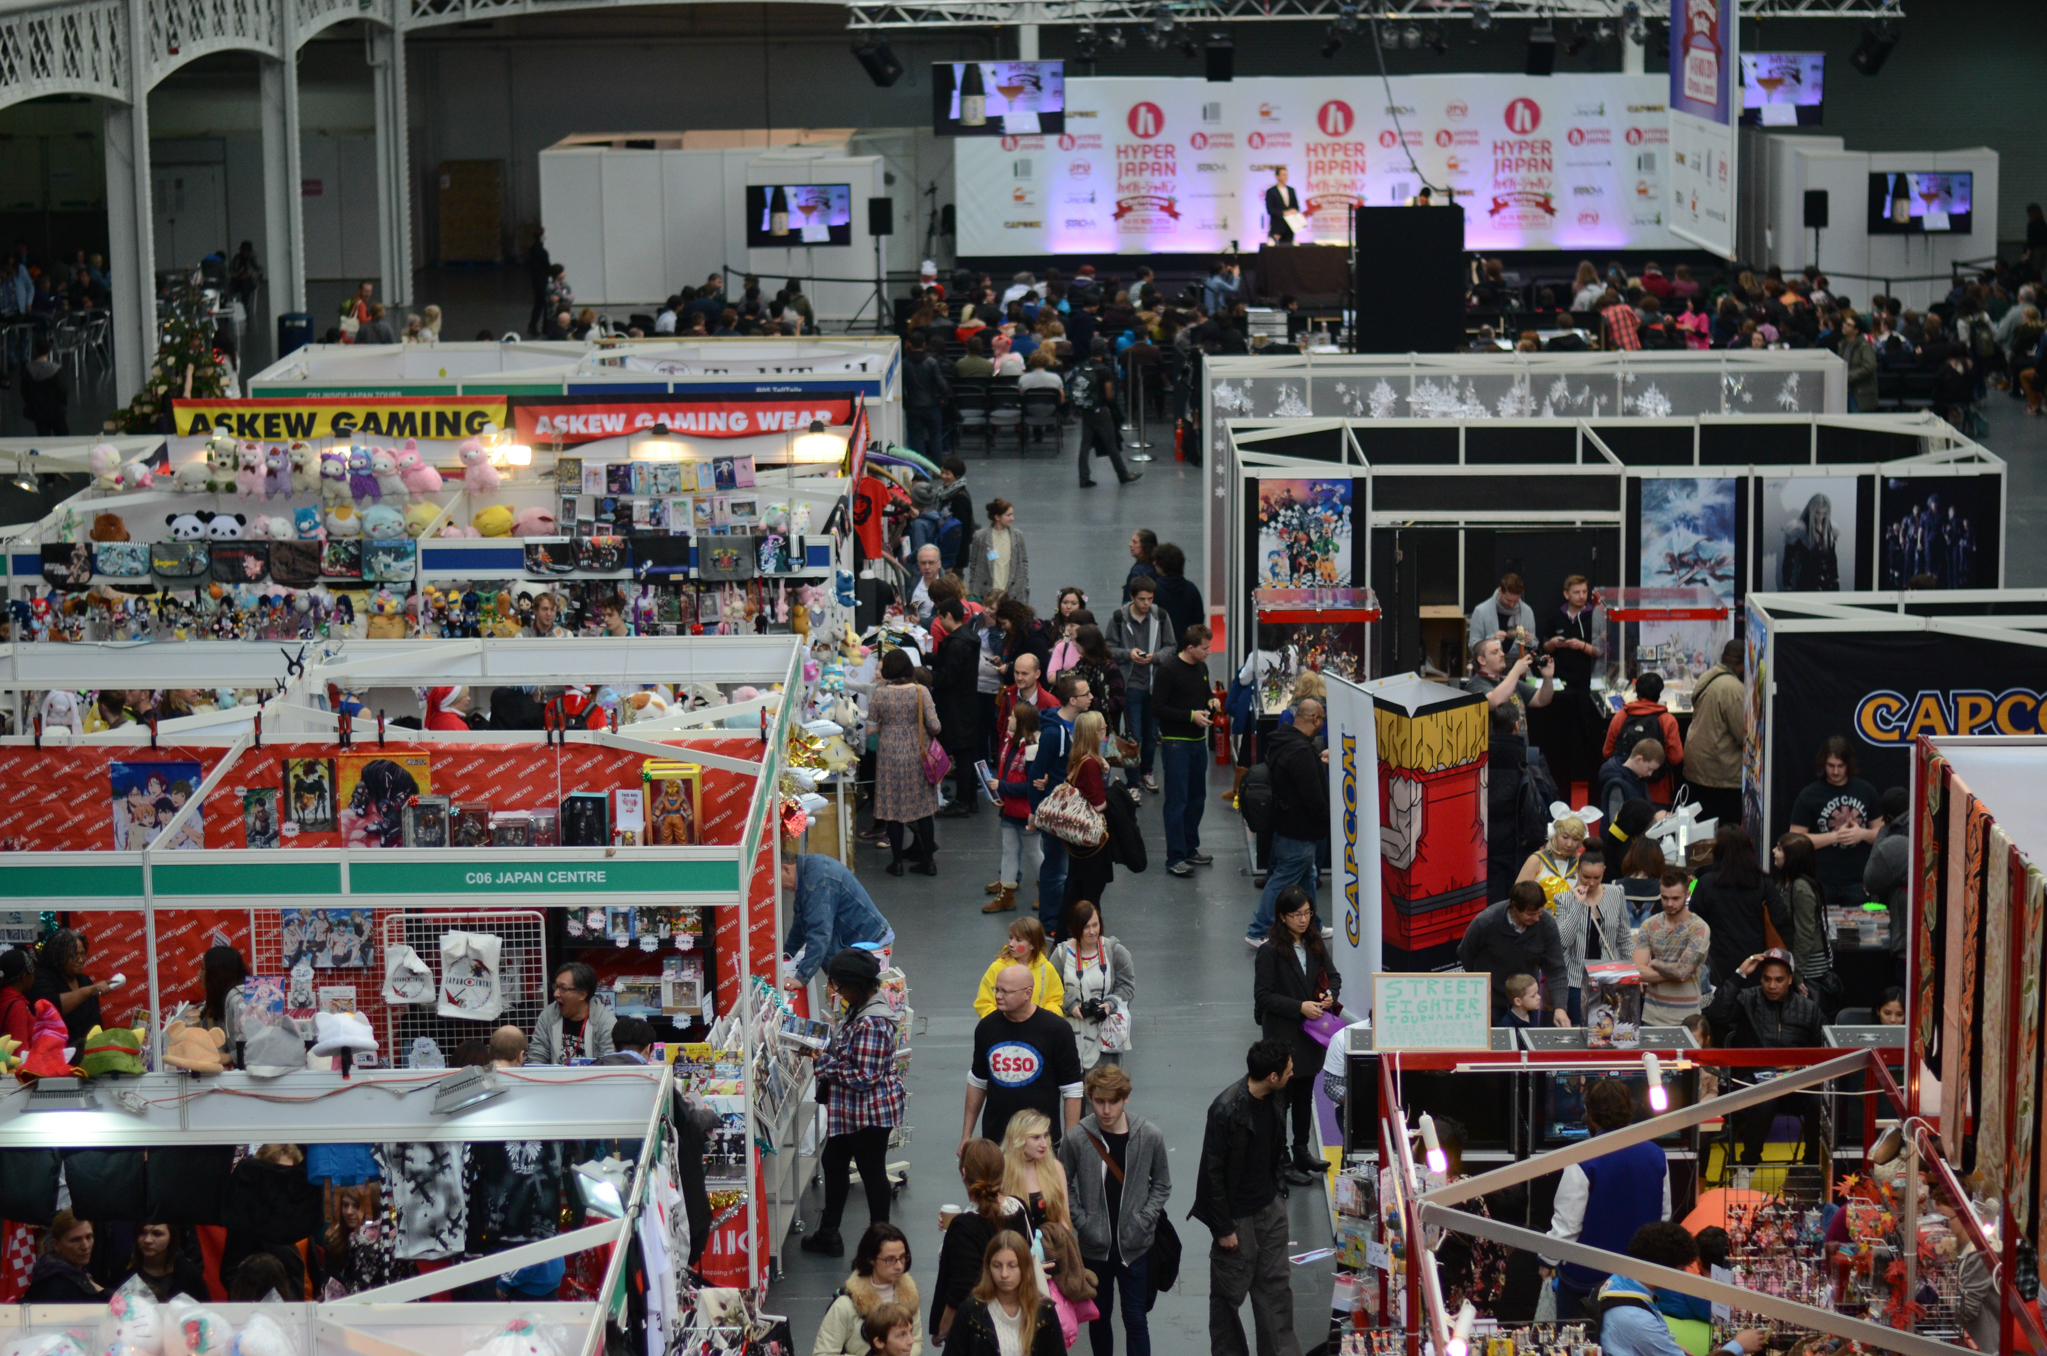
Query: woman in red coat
{"points": [[1089, 870], [17, 971], [447, 708]]}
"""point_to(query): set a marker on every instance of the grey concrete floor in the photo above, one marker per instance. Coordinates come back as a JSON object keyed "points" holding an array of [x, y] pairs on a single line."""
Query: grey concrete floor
{"points": [[1193, 1001]]}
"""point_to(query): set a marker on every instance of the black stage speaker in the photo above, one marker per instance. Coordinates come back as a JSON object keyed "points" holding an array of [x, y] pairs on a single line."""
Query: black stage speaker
{"points": [[1542, 50], [1221, 56], [881, 216], [1409, 279], [1815, 208]]}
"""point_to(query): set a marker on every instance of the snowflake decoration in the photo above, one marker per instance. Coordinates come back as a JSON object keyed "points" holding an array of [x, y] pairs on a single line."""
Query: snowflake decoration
{"points": [[1598, 404], [1290, 405], [1516, 402], [1628, 377], [1431, 401], [1383, 399], [1549, 411], [1352, 399], [1651, 404], [1230, 399], [1734, 390], [1787, 396]]}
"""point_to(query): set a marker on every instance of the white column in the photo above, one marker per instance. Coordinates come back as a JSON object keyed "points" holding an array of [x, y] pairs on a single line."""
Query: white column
{"points": [[1026, 42], [284, 225], [1631, 56], [131, 250], [394, 170]]}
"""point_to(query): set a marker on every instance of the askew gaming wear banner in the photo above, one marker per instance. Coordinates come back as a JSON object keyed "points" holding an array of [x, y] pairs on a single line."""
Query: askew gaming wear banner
{"points": [[1181, 166]]}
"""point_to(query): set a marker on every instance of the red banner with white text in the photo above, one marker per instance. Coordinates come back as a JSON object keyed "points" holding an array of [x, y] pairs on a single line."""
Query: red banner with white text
{"points": [[576, 419]]}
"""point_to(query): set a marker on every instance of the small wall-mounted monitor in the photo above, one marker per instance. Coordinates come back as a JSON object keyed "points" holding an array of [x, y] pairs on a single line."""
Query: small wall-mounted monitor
{"points": [[998, 98], [1912, 202], [796, 215], [1782, 89]]}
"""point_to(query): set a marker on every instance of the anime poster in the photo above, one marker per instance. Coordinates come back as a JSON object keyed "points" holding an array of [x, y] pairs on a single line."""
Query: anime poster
{"points": [[1941, 531], [309, 793], [373, 791], [260, 824], [1687, 542], [1807, 534], [1304, 533], [327, 939], [146, 795]]}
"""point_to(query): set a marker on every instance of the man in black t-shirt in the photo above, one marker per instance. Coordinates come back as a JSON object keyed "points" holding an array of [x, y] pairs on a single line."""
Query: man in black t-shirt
{"points": [[1024, 1059], [1839, 813]]}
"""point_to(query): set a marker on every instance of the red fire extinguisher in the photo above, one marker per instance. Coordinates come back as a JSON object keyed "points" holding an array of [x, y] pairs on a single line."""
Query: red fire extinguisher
{"points": [[1219, 727]]}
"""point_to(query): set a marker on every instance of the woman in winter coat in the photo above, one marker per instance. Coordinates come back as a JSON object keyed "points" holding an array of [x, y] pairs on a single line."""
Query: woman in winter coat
{"points": [[1022, 633], [1592, 918], [1294, 983], [1737, 901], [1023, 851], [991, 1214], [997, 557], [1797, 877], [1089, 869], [881, 1275], [1026, 947], [904, 720], [1104, 675], [1007, 1316], [1099, 980], [862, 1092], [60, 1277]]}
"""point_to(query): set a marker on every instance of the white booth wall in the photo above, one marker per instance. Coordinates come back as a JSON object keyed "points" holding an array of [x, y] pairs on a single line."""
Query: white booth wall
{"points": [[1782, 166], [635, 226]]}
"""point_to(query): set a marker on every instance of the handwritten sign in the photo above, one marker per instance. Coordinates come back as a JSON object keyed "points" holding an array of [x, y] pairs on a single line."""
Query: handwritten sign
{"points": [[1431, 1011]]}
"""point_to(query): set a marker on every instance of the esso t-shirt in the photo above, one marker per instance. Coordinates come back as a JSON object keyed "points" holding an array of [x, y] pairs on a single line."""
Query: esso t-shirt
{"points": [[1033, 1064], [1825, 808]]}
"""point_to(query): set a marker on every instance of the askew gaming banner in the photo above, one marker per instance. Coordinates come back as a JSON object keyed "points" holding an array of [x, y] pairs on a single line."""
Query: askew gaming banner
{"points": [[1922, 685], [1163, 166]]}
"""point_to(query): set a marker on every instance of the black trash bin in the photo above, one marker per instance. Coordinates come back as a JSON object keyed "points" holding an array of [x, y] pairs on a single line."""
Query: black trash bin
{"points": [[294, 330]]}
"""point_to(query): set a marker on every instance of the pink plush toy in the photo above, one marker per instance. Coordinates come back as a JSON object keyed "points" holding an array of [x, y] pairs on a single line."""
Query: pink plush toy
{"points": [[534, 522], [477, 472], [250, 467], [457, 530], [420, 479]]}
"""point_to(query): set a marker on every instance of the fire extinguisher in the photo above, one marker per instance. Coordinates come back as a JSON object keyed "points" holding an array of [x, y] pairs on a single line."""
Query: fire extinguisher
{"points": [[1180, 441], [1219, 728]]}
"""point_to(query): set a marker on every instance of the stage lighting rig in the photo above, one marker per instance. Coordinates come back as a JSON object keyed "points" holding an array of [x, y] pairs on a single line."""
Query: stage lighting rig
{"points": [[1481, 16]]}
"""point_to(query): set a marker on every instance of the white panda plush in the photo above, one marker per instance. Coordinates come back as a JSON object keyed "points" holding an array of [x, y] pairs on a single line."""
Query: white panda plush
{"points": [[187, 526], [225, 526]]}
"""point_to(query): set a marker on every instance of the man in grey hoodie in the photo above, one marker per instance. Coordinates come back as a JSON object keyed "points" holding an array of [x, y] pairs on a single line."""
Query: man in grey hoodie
{"points": [[1118, 1184], [1138, 634], [1887, 875], [572, 1026]]}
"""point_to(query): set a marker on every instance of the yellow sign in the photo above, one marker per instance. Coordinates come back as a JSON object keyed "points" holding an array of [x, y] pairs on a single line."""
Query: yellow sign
{"points": [[278, 420]]}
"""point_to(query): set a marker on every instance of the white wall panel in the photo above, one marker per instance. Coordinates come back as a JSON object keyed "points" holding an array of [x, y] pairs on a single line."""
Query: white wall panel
{"points": [[634, 257], [572, 207]]}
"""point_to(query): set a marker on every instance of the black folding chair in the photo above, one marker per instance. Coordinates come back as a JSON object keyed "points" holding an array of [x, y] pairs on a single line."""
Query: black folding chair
{"points": [[1040, 407]]}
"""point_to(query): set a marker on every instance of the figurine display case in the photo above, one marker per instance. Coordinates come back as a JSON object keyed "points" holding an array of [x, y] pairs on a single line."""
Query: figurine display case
{"points": [[1675, 632], [1323, 630]]}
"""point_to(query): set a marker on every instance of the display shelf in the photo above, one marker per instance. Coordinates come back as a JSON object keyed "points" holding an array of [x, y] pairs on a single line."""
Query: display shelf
{"points": [[1325, 630], [1675, 633]]}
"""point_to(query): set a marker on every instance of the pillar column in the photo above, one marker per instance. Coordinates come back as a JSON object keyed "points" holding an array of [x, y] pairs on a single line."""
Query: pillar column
{"points": [[1631, 56], [1026, 42], [394, 169], [283, 212], [131, 248]]}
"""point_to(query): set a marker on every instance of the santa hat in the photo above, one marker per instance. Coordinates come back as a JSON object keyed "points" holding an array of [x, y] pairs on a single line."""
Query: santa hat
{"points": [[45, 1057], [927, 269], [445, 698]]}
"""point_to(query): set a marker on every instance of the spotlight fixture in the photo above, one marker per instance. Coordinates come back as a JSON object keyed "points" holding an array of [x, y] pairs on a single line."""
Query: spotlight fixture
{"points": [[464, 1089], [1579, 37], [23, 478], [1875, 48], [1412, 37], [1158, 30], [1604, 32], [1481, 16], [1115, 40], [1437, 43], [1188, 47], [1631, 23], [1332, 43], [1162, 18], [1432, 1148], [1659, 1096], [1346, 19], [883, 66], [1086, 42], [1460, 1332]]}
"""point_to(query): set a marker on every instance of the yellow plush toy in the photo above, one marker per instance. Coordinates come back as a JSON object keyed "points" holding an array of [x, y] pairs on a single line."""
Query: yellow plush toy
{"points": [[10, 1055], [419, 517], [495, 521]]}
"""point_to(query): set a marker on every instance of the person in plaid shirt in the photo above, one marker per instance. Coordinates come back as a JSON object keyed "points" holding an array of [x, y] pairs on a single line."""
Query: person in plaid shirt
{"points": [[1623, 326], [1670, 946], [863, 1095]]}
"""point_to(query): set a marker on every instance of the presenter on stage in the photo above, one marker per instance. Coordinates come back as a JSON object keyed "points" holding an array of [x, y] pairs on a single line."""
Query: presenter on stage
{"points": [[1282, 210]]}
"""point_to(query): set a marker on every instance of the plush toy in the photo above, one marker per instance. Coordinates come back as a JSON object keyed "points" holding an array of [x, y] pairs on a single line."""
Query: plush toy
{"points": [[478, 475], [10, 1055], [222, 459], [646, 704], [194, 1331], [61, 711], [137, 1323], [137, 475], [225, 526], [111, 1050], [343, 521], [191, 478], [534, 522], [334, 478], [384, 466], [381, 522], [46, 1041], [277, 473], [249, 466], [104, 460], [495, 521], [187, 526], [362, 482], [262, 1335], [108, 527], [272, 527], [419, 517], [387, 619], [420, 479], [457, 530], [194, 1049], [305, 524], [305, 469], [520, 1337]]}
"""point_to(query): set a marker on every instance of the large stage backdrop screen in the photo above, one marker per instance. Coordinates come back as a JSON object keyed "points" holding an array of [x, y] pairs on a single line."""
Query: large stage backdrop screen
{"points": [[1569, 162]]}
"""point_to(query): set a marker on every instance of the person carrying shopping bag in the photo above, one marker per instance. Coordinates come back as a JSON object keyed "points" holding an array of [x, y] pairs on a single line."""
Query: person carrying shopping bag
{"points": [[1100, 982], [1023, 850]]}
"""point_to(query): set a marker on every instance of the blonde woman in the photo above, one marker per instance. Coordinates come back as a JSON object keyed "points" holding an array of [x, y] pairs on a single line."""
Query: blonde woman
{"points": [[1555, 866], [1088, 869], [1032, 1172], [1026, 947], [1008, 1314]]}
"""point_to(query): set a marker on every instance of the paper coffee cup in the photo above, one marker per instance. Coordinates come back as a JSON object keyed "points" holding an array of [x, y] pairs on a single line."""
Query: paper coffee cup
{"points": [[945, 1216]]}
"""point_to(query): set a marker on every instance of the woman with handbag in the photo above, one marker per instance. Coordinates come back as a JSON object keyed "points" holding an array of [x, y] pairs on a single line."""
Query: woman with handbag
{"points": [[1295, 984], [1797, 875], [1100, 982], [905, 722], [1090, 864]]}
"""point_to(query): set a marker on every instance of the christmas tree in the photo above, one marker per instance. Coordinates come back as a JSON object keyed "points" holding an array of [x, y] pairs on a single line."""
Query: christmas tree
{"points": [[187, 366]]}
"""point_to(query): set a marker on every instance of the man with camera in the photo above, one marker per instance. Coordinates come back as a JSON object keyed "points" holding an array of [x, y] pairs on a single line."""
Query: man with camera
{"points": [[1505, 687]]}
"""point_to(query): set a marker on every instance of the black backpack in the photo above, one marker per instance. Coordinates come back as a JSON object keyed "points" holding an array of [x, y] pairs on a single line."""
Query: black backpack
{"points": [[1255, 798], [1635, 729]]}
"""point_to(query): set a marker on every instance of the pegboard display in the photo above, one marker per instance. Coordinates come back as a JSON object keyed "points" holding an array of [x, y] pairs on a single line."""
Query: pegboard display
{"points": [[522, 976]]}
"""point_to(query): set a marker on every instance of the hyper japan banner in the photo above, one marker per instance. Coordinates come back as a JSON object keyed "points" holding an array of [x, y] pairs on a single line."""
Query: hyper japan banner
{"points": [[1705, 103], [1567, 162], [576, 419]]}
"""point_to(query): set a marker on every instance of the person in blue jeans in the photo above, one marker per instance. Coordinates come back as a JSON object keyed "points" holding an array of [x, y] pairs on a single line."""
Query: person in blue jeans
{"points": [[1139, 637], [1300, 803], [924, 396], [1055, 742], [1182, 704], [1117, 1188]]}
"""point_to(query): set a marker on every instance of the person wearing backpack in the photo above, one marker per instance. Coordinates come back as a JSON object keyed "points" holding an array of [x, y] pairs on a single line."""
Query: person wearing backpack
{"points": [[1292, 799], [1091, 390], [1713, 745], [1646, 717]]}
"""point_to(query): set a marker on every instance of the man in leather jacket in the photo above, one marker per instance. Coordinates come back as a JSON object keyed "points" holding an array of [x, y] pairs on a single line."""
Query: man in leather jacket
{"points": [[1762, 1009], [1240, 1196]]}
